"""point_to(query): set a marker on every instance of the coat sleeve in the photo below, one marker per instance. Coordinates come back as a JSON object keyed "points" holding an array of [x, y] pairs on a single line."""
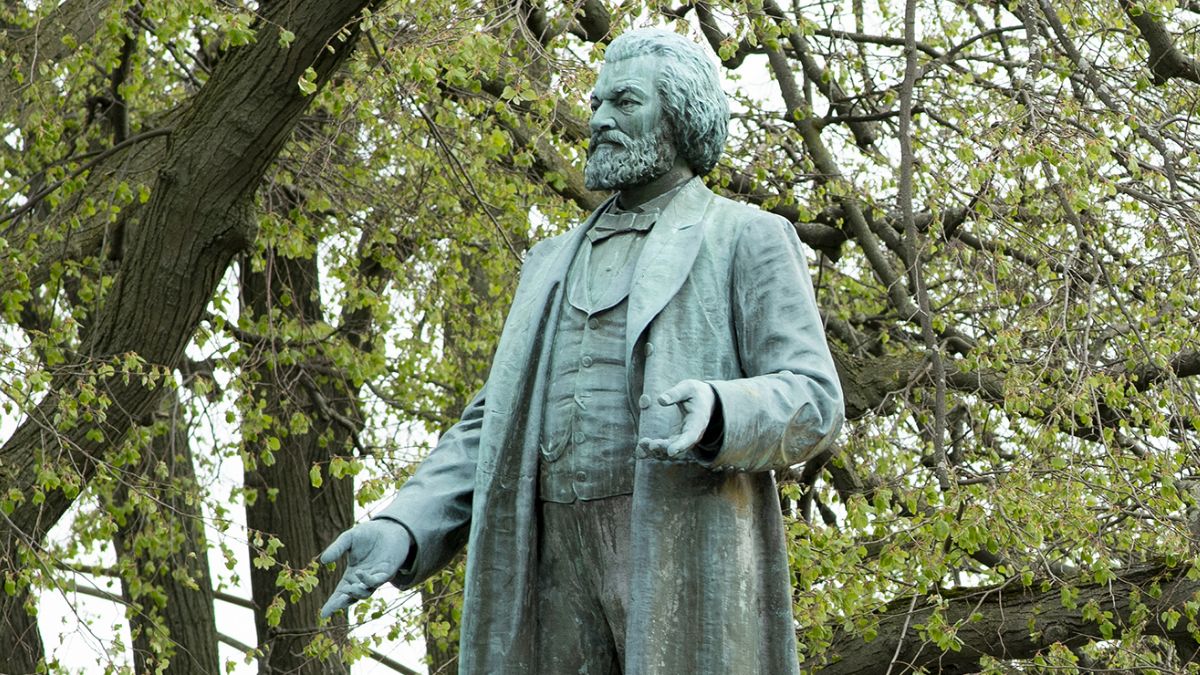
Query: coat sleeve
{"points": [[789, 406], [434, 505]]}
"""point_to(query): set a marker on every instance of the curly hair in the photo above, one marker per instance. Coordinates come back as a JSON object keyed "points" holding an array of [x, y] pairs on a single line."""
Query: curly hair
{"points": [[690, 89]]}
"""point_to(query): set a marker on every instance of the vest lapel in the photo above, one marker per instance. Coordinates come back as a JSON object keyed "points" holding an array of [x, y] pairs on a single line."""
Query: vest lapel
{"points": [[666, 259]]}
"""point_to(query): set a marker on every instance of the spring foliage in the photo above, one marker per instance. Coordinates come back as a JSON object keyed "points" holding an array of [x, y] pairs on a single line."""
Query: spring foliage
{"points": [[999, 198]]}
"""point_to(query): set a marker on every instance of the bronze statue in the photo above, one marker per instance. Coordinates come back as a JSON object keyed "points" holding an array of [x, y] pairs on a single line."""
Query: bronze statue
{"points": [[614, 476]]}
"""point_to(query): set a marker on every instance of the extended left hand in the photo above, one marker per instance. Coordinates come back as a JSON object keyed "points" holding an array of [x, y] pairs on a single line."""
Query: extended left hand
{"points": [[695, 400]]}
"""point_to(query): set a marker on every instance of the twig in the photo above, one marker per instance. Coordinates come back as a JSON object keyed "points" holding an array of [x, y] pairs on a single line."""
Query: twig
{"points": [[460, 173], [900, 642], [46, 191], [914, 246]]}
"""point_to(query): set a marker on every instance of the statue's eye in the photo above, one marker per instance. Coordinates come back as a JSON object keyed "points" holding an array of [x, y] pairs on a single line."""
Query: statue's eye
{"points": [[627, 104]]}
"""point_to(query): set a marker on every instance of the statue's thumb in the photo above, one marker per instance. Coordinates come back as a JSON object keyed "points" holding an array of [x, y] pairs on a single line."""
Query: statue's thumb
{"points": [[672, 396], [336, 549]]}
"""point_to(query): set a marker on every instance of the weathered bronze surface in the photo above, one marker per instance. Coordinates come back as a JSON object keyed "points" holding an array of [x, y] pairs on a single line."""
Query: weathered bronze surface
{"points": [[620, 456]]}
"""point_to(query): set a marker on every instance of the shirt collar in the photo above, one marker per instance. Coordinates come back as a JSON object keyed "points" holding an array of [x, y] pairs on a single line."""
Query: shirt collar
{"points": [[640, 218]]}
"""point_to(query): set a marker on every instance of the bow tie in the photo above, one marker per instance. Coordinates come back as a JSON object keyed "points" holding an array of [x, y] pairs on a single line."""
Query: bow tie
{"points": [[609, 224]]}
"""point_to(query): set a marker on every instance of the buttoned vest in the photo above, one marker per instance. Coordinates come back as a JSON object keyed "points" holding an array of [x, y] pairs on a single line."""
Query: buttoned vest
{"points": [[589, 432]]}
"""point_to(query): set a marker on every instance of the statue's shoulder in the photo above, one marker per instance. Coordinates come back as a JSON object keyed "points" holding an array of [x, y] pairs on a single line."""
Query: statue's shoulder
{"points": [[545, 248], [734, 211], [747, 223]]}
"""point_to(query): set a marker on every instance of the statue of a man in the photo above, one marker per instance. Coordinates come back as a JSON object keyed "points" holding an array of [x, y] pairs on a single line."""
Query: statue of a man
{"points": [[614, 475]]}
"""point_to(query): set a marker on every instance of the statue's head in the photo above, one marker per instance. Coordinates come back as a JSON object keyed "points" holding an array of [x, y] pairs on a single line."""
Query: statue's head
{"points": [[657, 100]]}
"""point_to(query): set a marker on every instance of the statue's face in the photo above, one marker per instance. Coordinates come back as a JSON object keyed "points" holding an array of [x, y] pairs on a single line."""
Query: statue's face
{"points": [[631, 138]]}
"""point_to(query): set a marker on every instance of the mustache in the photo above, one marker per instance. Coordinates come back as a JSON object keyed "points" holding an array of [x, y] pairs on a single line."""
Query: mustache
{"points": [[611, 136]]}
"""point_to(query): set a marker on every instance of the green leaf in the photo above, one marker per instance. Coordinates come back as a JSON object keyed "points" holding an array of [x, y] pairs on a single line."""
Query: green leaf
{"points": [[308, 81]]}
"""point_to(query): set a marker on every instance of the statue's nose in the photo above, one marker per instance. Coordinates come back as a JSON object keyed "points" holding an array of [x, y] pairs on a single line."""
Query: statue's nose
{"points": [[602, 120]]}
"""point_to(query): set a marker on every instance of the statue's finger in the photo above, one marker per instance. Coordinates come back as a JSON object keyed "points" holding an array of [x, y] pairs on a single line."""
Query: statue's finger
{"points": [[677, 394], [376, 578], [337, 548], [653, 444], [683, 442], [336, 602]]}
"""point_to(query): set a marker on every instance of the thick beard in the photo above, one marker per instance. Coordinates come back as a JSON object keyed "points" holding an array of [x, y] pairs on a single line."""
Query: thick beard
{"points": [[634, 163]]}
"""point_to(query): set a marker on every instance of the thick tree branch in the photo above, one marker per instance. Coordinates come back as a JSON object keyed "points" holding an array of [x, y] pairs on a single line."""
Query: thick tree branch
{"points": [[914, 247], [1183, 364], [558, 174], [716, 38], [36, 198], [864, 132], [869, 384], [1088, 73], [821, 234], [593, 22], [1010, 622], [1166, 60], [860, 226]]}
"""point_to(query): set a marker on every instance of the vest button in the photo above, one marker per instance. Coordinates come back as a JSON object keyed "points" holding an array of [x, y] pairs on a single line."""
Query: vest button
{"points": [[593, 323], [580, 476], [644, 401], [578, 438], [586, 361]]}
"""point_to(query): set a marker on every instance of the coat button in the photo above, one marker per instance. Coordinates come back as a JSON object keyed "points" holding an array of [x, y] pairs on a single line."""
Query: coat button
{"points": [[644, 401], [586, 361], [649, 349], [593, 323], [578, 438]]}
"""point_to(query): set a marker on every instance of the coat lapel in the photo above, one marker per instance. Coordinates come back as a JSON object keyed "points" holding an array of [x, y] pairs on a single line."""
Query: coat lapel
{"points": [[666, 259], [549, 279], [537, 296]]}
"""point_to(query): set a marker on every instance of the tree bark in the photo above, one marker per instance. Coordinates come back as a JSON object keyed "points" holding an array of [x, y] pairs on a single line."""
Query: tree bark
{"points": [[1008, 623], [286, 504], [163, 558], [199, 215]]}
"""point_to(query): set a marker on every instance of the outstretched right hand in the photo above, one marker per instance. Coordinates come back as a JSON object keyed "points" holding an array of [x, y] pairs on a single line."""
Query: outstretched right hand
{"points": [[378, 549]]}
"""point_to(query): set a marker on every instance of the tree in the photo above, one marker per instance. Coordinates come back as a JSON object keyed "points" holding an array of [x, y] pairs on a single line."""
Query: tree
{"points": [[196, 213], [1000, 202]]}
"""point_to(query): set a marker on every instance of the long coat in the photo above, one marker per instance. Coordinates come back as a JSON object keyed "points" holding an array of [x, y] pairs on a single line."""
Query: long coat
{"points": [[721, 293]]}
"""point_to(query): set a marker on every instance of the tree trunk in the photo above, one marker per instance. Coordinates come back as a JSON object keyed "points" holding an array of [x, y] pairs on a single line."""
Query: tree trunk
{"points": [[163, 558], [303, 514], [198, 216]]}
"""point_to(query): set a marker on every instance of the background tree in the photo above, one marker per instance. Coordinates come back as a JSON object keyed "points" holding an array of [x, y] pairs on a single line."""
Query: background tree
{"points": [[999, 198]]}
